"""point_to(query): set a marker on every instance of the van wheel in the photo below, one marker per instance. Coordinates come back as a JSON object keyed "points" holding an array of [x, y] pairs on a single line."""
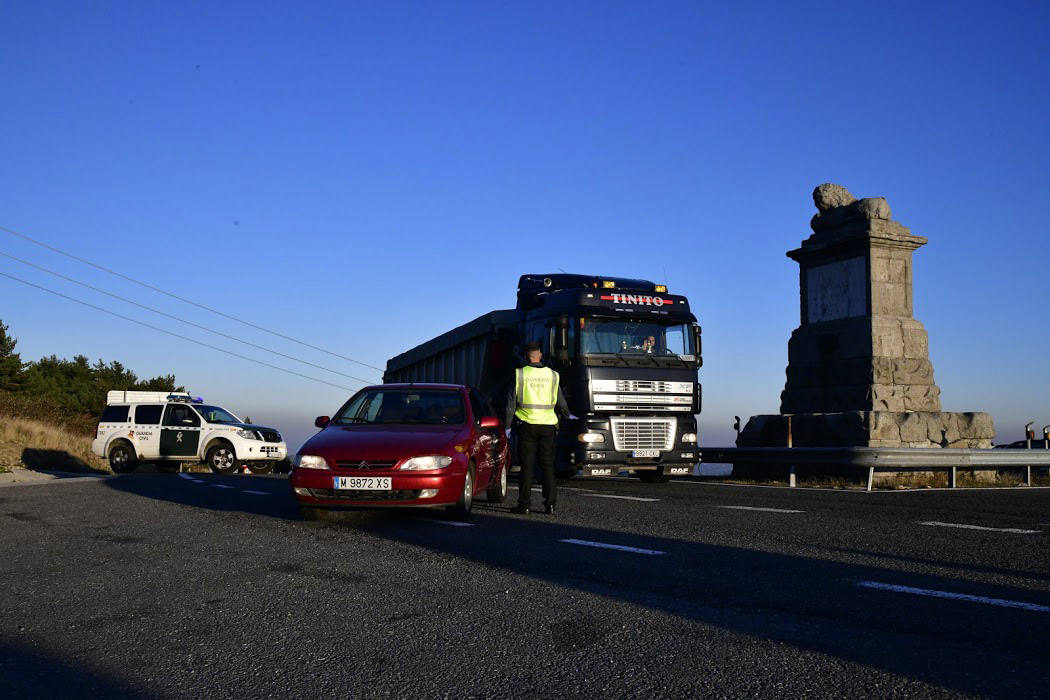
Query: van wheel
{"points": [[122, 458], [260, 467], [461, 510], [497, 492], [221, 458]]}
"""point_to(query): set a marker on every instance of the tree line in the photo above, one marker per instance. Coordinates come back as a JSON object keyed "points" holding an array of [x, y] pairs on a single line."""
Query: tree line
{"points": [[68, 387]]}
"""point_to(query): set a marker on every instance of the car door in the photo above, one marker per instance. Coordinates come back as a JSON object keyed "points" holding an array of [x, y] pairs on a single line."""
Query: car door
{"points": [[147, 429], [180, 431], [485, 441]]}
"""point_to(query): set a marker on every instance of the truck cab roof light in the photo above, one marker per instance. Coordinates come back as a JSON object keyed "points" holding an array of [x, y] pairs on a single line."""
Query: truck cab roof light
{"points": [[661, 288], [608, 284]]}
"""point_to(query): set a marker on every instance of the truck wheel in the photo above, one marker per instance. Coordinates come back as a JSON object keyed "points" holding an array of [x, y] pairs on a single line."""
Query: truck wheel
{"points": [[260, 467], [122, 458], [497, 492], [654, 477], [221, 458], [461, 510]]}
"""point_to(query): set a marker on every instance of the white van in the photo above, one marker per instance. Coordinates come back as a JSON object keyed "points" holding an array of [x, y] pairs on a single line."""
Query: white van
{"points": [[169, 428]]}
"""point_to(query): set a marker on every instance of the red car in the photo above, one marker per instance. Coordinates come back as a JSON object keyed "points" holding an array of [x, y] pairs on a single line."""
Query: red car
{"points": [[403, 445]]}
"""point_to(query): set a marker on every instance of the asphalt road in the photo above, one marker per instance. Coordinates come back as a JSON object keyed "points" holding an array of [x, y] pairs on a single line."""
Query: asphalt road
{"points": [[161, 585]]}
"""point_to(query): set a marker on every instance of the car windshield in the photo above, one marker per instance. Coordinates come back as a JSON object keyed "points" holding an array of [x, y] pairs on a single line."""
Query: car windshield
{"points": [[629, 337], [215, 414], [404, 407]]}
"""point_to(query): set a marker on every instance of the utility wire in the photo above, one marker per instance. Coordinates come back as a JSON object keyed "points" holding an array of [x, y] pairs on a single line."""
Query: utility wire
{"points": [[184, 300], [180, 320], [172, 333]]}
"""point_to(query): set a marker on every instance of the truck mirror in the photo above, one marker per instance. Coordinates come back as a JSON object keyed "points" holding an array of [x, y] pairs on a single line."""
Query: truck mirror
{"points": [[562, 339], [697, 335]]}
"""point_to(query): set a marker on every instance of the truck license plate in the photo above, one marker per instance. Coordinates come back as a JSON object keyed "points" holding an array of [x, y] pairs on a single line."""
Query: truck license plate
{"points": [[645, 453], [361, 483]]}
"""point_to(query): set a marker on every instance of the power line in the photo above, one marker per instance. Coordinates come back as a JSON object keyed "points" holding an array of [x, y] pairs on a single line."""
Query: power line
{"points": [[172, 333], [184, 300], [181, 320]]}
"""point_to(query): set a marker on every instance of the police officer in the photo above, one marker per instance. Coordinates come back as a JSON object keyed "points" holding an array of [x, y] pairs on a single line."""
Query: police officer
{"points": [[536, 402]]}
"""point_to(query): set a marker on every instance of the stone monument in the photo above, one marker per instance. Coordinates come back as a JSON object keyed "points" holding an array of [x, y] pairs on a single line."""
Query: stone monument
{"points": [[859, 372]]}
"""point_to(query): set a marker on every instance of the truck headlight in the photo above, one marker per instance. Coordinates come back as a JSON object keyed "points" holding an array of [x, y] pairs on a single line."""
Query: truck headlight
{"points": [[247, 434], [427, 462], [590, 437], [688, 437], [309, 462]]}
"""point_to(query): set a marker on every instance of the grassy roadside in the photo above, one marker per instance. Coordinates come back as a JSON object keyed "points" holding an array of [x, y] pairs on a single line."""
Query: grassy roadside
{"points": [[26, 443]]}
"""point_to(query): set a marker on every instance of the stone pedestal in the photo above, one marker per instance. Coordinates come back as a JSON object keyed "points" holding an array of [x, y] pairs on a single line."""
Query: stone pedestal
{"points": [[859, 372]]}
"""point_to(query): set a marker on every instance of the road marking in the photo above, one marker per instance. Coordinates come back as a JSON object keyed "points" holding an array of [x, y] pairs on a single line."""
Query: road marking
{"points": [[1001, 602], [617, 547], [185, 476], [222, 486], [197, 481], [625, 498], [963, 526], [450, 523], [257, 493], [763, 510]]}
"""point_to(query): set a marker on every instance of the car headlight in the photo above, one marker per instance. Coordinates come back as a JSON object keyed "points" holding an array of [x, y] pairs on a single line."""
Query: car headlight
{"points": [[688, 437], [309, 462], [247, 434], [591, 437], [428, 462]]}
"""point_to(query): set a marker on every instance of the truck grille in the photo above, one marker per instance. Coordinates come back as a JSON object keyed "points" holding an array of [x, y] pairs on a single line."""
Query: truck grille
{"points": [[643, 433], [631, 386], [359, 464]]}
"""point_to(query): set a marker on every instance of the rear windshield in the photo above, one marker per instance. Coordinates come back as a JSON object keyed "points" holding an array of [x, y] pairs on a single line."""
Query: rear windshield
{"points": [[114, 414], [404, 407]]}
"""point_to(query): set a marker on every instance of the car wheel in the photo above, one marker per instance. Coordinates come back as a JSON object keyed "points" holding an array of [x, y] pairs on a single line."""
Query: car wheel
{"points": [[260, 467], [221, 459], [122, 458], [466, 497], [497, 492], [654, 477]]}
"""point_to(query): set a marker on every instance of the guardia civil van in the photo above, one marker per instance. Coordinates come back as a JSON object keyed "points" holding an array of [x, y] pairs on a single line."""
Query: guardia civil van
{"points": [[169, 428]]}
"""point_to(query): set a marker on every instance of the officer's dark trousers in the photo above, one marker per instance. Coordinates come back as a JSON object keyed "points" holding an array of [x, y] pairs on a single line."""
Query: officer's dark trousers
{"points": [[536, 446]]}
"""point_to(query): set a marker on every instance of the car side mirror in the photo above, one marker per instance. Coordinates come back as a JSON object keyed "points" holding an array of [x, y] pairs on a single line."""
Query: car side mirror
{"points": [[322, 421], [489, 422]]}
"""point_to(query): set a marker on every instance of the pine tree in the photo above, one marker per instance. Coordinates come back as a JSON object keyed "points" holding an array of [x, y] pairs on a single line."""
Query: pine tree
{"points": [[10, 362]]}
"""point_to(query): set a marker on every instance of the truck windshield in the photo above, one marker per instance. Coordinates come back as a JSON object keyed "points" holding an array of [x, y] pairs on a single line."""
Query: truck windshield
{"points": [[404, 406], [215, 414], [629, 337]]}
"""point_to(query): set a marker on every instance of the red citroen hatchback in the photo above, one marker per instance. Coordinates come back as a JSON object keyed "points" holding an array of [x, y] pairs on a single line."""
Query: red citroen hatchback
{"points": [[403, 445]]}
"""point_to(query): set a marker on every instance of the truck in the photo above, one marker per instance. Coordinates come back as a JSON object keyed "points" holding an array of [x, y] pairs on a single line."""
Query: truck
{"points": [[628, 353]]}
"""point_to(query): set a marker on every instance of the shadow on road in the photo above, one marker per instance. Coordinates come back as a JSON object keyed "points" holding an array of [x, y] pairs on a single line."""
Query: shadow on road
{"points": [[810, 603], [32, 673]]}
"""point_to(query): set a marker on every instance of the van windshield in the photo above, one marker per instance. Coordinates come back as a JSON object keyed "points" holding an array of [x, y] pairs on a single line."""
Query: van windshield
{"points": [[630, 337], [404, 407], [215, 414]]}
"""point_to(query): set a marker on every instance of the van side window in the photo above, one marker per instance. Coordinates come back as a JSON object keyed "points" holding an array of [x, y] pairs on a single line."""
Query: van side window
{"points": [[114, 414], [178, 414], [148, 415]]}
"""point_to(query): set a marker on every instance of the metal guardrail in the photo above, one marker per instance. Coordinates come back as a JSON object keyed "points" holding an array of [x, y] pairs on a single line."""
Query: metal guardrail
{"points": [[883, 458]]}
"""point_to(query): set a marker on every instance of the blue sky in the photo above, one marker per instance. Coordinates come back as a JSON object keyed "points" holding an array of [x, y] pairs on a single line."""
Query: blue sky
{"points": [[366, 175]]}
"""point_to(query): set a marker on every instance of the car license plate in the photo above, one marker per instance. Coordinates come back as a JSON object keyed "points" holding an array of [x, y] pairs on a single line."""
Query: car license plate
{"points": [[361, 483], [645, 453]]}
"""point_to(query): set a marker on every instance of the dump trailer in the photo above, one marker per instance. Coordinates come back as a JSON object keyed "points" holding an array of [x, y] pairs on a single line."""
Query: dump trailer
{"points": [[628, 353]]}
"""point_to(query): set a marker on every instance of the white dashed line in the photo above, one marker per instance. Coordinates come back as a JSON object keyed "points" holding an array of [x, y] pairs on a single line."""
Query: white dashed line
{"points": [[763, 510], [617, 547], [624, 498], [223, 486], [963, 526], [1001, 602], [450, 523], [257, 493]]}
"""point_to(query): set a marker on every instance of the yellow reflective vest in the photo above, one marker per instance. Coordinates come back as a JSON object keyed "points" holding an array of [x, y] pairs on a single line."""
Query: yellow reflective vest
{"points": [[536, 391]]}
